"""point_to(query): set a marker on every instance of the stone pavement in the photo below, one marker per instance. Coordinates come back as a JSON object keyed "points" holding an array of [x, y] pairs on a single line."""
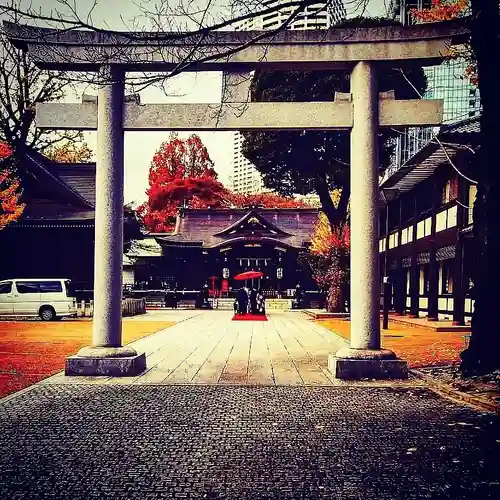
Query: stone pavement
{"points": [[208, 348], [81, 442], [269, 423]]}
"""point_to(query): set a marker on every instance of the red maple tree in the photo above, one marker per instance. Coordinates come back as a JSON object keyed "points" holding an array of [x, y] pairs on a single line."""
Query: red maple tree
{"points": [[264, 200], [328, 258], [182, 174], [10, 207]]}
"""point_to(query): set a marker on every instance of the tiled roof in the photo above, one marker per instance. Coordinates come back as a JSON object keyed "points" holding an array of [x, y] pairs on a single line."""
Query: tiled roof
{"points": [[55, 193], [80, 177], [147, 247], [200, 226], [426, 160]]}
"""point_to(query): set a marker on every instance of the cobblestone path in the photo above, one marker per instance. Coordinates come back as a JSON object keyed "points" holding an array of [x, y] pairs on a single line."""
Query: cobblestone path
{"points": [[229, 442]]}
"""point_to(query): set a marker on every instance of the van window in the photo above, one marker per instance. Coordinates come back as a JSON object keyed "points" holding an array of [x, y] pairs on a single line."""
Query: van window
{"points": [[70, 290], [49, 286], [27, 287], [5, 287]]}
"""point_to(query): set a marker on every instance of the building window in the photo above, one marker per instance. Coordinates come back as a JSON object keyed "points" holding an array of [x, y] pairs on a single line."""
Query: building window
{"points": [[393, 240], [424, 281], [450, 190], [472, 199], [406, 235]]}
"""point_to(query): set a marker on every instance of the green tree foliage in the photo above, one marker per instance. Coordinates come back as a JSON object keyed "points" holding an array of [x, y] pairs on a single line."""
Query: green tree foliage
{"points": [[303, 162]]}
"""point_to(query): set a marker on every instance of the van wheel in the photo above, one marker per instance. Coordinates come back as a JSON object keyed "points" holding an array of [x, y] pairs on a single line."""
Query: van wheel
{"points": [[47, 313]]}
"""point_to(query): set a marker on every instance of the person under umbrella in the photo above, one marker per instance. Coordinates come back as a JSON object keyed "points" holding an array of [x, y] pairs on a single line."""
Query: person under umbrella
{"points": [[242, 298], [253, 301], [261, 302]]}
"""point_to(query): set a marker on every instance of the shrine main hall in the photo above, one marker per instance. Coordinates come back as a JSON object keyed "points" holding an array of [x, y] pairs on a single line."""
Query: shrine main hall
{"points": [[212, 246]]}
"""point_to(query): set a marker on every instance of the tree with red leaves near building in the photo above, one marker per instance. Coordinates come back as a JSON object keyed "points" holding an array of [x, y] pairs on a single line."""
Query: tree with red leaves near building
{"points": [[10, 206], [264, 200], [446, 10], [181, 174]]}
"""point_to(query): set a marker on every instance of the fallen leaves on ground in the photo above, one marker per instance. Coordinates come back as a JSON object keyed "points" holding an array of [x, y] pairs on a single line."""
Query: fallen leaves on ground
{"points": [[419, 346], [33, 350]]}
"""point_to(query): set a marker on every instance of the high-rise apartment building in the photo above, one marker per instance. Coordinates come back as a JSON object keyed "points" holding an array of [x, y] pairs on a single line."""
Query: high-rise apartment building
{"points": [[445, 81], [245, 177], [320, 15]]}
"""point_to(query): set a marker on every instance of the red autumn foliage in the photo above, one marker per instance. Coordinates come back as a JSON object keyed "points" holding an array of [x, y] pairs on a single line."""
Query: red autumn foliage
{"points": [[10, 207], [441, 10], [264, 200], [328, 259], [182, 174]]}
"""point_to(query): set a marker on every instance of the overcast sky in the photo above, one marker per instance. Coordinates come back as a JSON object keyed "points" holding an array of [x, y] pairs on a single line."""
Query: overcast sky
{"points": [[189, 87]]}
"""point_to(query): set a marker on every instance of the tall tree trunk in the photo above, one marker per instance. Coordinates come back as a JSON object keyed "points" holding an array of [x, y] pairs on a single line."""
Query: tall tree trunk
{"points": [[334, 215], [482, 355]]}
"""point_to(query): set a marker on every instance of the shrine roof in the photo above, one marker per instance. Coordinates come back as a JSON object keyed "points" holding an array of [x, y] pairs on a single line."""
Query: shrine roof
{"points": [[457, 138], [213, 228], [56, 192]]}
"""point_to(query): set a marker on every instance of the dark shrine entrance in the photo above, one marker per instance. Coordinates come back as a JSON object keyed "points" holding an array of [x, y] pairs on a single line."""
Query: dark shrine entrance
{"points": [[211, 246], [281, 271]]}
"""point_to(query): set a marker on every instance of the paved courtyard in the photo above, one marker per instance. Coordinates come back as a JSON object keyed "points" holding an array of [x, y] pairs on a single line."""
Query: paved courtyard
{"points": [[242, 410], [208, 348], [225, 442]]}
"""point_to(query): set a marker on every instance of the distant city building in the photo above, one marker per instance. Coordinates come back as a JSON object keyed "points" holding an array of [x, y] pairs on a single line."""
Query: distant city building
{"points": [[245, 177], [320, 15], [445, 81]]}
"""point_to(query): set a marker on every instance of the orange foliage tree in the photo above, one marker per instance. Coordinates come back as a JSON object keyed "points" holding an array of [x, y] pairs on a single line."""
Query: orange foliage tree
{"points": [[264, 200], [10, 206], [70, 152], [328, 259], [446, 10]]}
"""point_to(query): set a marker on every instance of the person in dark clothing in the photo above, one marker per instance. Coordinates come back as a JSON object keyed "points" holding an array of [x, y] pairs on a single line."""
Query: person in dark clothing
{"points": [[261, 303], [175, 298], [242, 298], [253, 301]]}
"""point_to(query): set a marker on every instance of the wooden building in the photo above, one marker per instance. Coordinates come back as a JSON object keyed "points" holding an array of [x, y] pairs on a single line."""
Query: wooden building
{"points": [[211, 246], [55, 235], [429, 222]]}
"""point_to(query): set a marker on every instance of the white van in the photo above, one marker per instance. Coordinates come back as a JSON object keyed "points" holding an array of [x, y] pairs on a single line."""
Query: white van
{"points": [[51, 298]]}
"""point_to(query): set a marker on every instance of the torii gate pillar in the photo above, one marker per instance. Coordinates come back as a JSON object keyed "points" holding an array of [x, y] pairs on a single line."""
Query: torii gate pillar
{"points": [[106, 355], [364, 358]]}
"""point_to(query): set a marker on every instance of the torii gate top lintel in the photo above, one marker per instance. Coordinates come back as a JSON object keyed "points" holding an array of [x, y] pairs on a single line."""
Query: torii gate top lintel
{"points": [[136, 51]]}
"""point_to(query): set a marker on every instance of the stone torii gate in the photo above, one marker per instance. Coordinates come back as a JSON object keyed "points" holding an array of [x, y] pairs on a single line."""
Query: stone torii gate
{"points": [[363, 50]]}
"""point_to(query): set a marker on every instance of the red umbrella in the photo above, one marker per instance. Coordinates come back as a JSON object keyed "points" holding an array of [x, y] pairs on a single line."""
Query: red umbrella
{"points": [[248, 275]]}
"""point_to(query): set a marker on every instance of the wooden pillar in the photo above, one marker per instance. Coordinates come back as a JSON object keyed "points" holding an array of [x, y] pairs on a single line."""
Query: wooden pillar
{"points": [[399, 288], [458, 268], [432, 301], [414, 278]]}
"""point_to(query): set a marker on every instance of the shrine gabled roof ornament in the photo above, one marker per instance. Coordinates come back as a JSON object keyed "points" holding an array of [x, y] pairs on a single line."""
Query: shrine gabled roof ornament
{"points": [[251, 223]]}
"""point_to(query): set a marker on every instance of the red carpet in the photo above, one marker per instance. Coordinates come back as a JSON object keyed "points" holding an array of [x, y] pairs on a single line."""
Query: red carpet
{"points": [[249, 317]]}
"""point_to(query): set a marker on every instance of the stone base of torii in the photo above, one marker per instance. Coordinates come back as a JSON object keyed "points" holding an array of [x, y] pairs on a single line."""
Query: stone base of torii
{"points": [[365, 50]]}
